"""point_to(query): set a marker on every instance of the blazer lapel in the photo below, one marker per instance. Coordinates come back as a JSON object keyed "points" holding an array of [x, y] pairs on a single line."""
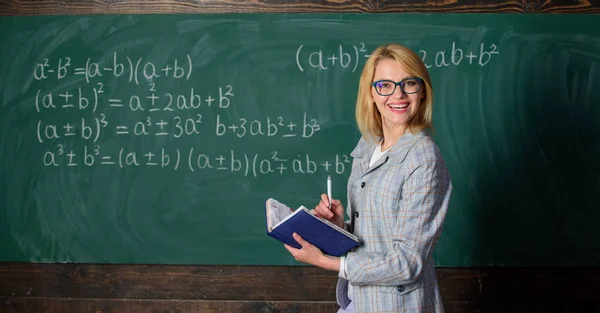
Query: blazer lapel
{"points": [[377, 164], [396, 153], [362, 154]]}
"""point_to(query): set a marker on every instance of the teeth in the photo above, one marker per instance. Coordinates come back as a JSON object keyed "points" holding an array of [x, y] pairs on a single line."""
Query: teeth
{"points": [[398, 107]]}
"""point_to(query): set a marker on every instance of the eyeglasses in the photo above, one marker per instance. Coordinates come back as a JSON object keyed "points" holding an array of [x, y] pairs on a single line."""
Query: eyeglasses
{"points": [[408, 85]]}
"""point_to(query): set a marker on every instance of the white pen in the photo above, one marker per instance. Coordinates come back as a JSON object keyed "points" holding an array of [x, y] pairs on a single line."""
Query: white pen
{"points": [[329, 189]]}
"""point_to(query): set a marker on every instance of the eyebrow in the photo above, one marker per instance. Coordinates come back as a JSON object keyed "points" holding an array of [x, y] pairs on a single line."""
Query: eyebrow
{"points": [[409, 76]]}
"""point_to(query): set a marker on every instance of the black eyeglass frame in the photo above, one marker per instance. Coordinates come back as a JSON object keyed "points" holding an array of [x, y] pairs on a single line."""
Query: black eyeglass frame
{"points": [[396, 84]]}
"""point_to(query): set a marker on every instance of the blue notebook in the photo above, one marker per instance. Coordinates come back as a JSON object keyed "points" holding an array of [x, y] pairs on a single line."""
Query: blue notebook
{"points": [[282, 221]]}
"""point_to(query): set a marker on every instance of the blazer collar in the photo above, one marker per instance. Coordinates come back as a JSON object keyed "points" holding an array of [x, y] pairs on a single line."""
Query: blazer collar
{"points": [[396, 153]]}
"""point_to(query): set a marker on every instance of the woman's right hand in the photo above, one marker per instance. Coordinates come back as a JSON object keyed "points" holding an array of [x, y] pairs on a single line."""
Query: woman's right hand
{"points": [[334, 215]]}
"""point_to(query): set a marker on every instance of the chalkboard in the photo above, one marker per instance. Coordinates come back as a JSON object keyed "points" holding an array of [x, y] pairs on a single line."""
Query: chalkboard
{"points": [[157, 138]]}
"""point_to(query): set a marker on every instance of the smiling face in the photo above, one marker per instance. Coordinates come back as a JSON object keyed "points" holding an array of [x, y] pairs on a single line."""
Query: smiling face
{"points": [[398, 108]]}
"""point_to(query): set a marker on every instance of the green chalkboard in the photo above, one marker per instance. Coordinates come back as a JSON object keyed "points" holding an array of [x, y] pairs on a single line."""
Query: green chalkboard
{"points": [[157, 138]]}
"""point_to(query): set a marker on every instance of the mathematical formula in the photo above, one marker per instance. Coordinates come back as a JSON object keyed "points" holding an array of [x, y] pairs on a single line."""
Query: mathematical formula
{"points": [[133, 69], [92, 99], [194, 159], [350, 57], [178, 126]]}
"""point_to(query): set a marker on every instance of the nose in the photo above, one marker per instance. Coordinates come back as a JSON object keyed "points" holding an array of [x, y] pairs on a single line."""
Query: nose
{"points": [[398, 92]]}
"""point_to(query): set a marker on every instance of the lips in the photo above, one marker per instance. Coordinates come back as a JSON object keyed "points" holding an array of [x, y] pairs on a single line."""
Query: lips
{"points": [[399, 108]]}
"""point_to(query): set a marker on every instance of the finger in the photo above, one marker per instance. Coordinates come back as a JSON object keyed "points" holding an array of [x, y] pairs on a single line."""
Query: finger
{"points": [[291, 249], [317, 210], [299, 239], [323, 211], [336, 202], [337, 206], [325, 200], [324, 205], [317, 214]]}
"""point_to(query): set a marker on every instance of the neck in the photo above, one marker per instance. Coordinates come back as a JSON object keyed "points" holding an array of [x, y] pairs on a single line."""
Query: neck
{"points": [[391, 136]]}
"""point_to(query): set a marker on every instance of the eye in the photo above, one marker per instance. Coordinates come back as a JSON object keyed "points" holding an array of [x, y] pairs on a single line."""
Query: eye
{"points": [[411, 82], [384, 84]]}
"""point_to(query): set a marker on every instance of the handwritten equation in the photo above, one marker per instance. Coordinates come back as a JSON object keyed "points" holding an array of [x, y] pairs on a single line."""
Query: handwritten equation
{"points": [[77, 120], [193, 159], [345, 57], [350, 57], [134, 69], [91, 100], [177, 127]]}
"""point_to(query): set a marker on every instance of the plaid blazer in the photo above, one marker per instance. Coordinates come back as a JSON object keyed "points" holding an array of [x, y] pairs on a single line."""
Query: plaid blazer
{"points": [[397, 208]]}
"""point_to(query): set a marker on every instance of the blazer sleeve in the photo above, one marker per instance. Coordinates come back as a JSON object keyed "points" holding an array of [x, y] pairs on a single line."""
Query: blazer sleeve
{"points": [[424, 201]]}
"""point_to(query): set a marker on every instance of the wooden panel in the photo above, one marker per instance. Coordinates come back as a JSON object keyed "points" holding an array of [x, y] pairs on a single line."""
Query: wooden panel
{"points": [[26, 287], [49, 305], [167, 282], [42, 7], [520, 289]]}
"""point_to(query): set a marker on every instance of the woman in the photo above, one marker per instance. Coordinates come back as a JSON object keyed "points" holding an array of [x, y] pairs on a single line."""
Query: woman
{"points": [[398, 193]]}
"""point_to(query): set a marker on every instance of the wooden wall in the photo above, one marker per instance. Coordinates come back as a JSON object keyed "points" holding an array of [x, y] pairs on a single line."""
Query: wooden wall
{"points": [[70, 288], [103, 288], [66, 7]]}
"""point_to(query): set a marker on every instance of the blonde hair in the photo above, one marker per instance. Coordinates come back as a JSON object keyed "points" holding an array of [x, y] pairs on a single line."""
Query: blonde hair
{"points": [[368, 117]]}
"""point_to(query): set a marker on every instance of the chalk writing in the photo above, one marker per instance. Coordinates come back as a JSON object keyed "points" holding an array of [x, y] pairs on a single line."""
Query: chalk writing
{"points": [[134, 69], [93, 112], [350, 57], [196, 159], [343, 57], [269, 127], [456, 56]]}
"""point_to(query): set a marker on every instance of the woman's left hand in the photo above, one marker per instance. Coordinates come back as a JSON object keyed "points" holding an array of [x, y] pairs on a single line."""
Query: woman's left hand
{"points": [[312, 255]]}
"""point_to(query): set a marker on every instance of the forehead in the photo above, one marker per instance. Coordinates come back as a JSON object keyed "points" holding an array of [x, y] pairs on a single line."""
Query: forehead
{"points": [[390, 69]]}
